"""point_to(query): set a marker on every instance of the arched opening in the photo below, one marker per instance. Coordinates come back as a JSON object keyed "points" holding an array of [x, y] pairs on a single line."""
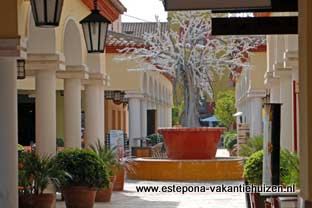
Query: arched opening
{"points": [[72, 44]]}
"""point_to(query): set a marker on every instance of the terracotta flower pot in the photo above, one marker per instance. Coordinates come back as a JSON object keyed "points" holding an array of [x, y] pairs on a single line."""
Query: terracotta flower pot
{"points": [[120, 180], [37, 201], [105, 194], [79, 197], [191, 143]]}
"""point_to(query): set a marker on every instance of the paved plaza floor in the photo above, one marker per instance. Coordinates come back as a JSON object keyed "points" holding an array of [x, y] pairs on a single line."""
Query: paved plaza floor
{"points": [[130, 198]]}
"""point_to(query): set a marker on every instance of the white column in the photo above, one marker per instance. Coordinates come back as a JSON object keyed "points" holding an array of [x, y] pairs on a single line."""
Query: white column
{"points": [[158, 111], [101, 113], [144, 118], [8, 134], [169, 116], [280, 46], [72, 111], [166, 120], [94, 114], [135, 123], [270, 52], [256, 117], [162, 114], [286, 110], [46, 112]]}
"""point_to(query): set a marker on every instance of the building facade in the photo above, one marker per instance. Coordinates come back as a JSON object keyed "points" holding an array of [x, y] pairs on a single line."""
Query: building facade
{"points": [[64, 91]]}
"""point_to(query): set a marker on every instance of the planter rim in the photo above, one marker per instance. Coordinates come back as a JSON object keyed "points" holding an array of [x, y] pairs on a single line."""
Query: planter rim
{"points": [[81, 187], [186, 129], [37, 195]]}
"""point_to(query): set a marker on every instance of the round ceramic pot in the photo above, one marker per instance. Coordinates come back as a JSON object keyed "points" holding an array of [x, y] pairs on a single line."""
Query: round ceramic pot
{"points": [[79, 197], [191, 143], [105, 194], [37, 201]]}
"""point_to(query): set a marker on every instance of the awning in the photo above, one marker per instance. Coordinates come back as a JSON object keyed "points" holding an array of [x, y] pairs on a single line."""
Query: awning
{"points": [[238, 114], [209, 119]]}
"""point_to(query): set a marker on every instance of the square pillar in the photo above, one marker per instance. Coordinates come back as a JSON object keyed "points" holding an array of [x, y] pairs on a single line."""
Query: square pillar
{"points": [[285, 77], [305, 101]]}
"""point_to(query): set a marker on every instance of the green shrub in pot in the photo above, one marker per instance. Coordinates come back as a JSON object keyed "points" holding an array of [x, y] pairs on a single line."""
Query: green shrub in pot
{"points": [[87, 173], [84, 167], [289, 168], [230, 139]]}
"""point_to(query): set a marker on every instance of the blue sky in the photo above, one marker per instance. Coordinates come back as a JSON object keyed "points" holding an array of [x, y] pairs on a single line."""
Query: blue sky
{"points": [[144, 10]]}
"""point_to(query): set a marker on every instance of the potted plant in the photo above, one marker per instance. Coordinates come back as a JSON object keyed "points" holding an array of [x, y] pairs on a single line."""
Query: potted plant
{"points": [[87, 174], [110, 159], [35, 174], [59, 144], [230, 142]]}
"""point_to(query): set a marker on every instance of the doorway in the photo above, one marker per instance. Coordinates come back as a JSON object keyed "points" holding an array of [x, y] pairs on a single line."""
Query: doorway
{"points": [[151, 122], [26, 120]]}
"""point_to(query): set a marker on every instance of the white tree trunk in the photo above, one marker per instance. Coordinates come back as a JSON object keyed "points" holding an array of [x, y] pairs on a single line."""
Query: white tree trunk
{"points": [[191, 104]]}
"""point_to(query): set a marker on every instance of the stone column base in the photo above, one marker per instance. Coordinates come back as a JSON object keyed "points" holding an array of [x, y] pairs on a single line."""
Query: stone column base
{"points": [[304, 203]]}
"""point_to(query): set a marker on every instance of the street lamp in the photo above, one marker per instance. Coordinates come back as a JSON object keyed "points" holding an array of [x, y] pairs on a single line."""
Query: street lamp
{"points": [[95, 28], [21, 72], [47, 13]]}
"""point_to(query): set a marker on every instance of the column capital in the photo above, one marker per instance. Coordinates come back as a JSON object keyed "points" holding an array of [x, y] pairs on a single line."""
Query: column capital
{"points": [[270, 79], [74, 72], [13, 47], [36, 62], [134, 95], [291, 59], [283, 72], [95, 79], [256, 93]]}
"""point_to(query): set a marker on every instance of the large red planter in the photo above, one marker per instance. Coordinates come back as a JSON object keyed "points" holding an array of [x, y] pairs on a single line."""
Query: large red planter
{"points": [[191, 143]]}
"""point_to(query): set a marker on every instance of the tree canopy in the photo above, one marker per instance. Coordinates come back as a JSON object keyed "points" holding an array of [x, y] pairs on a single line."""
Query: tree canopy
{"points": [[225, 107]]}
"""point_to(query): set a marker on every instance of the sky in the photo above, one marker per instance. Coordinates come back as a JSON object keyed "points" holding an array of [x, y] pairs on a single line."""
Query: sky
{"points": [[144, 10]]}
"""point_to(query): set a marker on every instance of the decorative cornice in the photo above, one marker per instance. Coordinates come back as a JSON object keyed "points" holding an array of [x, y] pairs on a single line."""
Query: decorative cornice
{"points": [[13, 47]]}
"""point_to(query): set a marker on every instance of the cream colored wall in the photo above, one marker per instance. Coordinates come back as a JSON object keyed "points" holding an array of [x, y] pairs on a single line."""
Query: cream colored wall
{"points": [[74, 9], [258, 68], [120, 77]]}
